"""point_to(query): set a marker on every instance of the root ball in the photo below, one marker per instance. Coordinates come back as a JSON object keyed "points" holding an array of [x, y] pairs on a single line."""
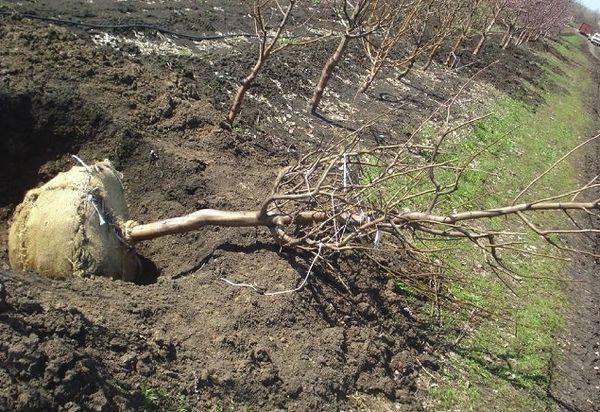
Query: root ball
{"points": [[71, 226]]}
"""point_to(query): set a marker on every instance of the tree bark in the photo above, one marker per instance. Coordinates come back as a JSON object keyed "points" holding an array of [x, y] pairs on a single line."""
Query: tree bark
{"points": [[241, 91], [327, 72]]}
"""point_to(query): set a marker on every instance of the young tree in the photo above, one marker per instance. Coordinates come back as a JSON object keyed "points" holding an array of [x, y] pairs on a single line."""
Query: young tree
{"points": [[381, 47], [557, 13], [510, 19], [378, 201], [267, 46], [464, 22], [445, 26], [491, 11], [413, 40], [355, 24], [383, 201]]}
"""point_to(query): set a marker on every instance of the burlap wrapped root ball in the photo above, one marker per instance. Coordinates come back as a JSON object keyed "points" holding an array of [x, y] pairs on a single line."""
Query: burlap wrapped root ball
{"points": [[71, 227]]}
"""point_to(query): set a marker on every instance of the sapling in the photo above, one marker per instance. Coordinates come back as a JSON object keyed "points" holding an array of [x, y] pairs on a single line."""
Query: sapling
{"points": [[380, 201], [266, 47]]}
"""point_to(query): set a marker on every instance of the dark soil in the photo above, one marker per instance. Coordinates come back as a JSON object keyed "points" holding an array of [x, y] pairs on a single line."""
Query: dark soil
{"points": [[181, 333]]}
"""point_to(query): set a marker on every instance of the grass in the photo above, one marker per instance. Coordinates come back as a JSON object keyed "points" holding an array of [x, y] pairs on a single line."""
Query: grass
{"points": [[504, 362], [161, 400]]}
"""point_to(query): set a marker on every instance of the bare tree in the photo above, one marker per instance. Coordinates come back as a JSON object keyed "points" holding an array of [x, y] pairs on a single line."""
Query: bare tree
{"points": [[398, 23], [491, 12], [356, 24], [510, 19], [267, 45], [445, 26], [386, 202], [401, 43], [382, 202], [430, 30], [464, 22]]}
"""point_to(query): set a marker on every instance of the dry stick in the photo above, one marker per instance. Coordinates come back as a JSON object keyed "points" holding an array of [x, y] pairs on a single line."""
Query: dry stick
{"points": [[534, 181], [587, 185]]}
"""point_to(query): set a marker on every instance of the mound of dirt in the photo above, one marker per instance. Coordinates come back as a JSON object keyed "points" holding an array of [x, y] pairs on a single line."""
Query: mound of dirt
{"points": [[196, 338]]}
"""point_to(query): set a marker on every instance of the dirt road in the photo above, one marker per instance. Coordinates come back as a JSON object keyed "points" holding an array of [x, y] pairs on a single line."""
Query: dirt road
{"points": [[594, 50], [577, 374]]}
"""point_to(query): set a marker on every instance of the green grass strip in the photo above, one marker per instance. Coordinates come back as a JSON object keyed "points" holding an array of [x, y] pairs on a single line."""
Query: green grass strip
{"points": [[505, 364]]}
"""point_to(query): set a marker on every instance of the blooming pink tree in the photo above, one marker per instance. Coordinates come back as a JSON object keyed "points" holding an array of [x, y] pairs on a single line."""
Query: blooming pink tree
{"points": [[542, 18]]}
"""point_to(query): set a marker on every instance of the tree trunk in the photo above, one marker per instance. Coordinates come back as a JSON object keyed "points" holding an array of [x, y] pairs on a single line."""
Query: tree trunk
{"points": [[479, 45], [507, 42], [484, 36], [211, 217], [411, 63], [370, 77], [241, 91], [452, 55], [431, 56], [506, 35], [327, 72], [521, 38]]}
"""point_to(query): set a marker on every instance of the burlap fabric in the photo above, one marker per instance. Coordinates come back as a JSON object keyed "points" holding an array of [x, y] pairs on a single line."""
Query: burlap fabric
{"points": [[71, 227]]}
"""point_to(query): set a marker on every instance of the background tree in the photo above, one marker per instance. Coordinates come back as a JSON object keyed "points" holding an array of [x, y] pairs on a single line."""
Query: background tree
{"points": [[582, 14], [267, 45], [491, 10], [465, 21], [355, 23], [511, 18], [444, 15], [382, 46]]}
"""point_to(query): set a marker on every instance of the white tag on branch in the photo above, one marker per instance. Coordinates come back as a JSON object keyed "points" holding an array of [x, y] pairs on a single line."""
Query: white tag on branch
{"points": [[377, 240], [345, 170]]}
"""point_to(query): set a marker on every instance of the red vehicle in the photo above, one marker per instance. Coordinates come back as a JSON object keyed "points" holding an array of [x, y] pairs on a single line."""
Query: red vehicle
{"points": [[585, 29]]}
